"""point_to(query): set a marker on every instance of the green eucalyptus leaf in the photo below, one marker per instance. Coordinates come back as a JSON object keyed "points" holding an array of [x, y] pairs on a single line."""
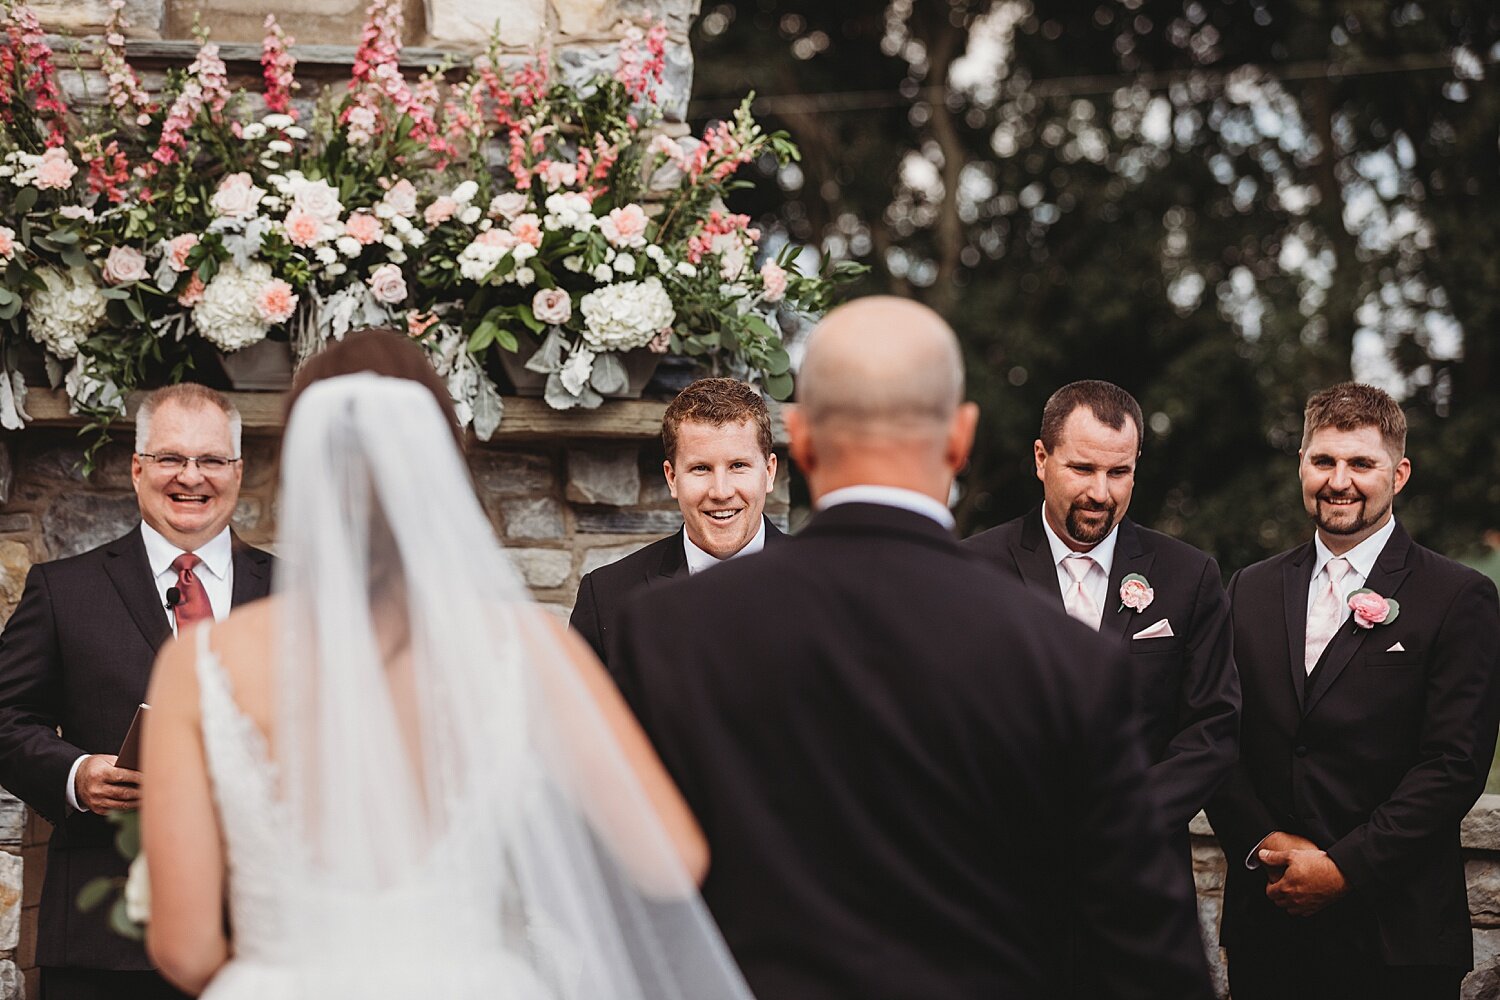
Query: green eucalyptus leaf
{"points": [[25, 200], [96, 891], [779, 387]]}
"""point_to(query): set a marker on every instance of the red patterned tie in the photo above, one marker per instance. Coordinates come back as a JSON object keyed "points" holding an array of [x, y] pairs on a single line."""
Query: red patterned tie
{"points": [[193, 606]]}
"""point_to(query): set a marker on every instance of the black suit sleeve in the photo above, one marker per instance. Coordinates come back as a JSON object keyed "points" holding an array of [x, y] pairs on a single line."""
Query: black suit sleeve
{"points": [[1135, 902], [34, 759], [585, 618], [1456, 744], [1206, 745], [1240, 819]]}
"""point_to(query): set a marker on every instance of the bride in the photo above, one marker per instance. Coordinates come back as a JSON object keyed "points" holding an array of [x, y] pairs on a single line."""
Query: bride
{"points": [[397, 777]]}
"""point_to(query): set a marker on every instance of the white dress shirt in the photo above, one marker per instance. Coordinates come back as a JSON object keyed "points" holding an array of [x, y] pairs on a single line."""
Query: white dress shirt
{"points": [[1361, 562], [215, 572], [699, 560], [889, 496], [1097, 580]]}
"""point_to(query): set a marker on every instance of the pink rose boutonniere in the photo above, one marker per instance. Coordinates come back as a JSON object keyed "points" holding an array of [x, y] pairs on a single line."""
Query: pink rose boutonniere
{"points": [[1136, 593], [1370, 609]]}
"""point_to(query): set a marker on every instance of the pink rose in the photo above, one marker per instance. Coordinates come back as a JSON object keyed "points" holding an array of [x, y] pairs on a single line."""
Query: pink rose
{"points": [[1136, 594], [1370, 609], [276, 301], [364, 227], [440, 211], [527, 229], [552, 305], [302, 228], [773, 277], [625, 227], [178, 250], [193, 293], [401, 199], [56, 170], [387, 284], [236, 197], [508, 205], [7, 243], [124, 264]]}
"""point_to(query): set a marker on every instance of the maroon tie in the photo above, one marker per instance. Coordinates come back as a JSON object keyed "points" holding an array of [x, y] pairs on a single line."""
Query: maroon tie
{"points": [[193, 604]]}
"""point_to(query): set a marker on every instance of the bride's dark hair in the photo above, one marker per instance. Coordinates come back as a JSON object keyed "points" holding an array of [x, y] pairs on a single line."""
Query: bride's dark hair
{"points": [[380, 351]]}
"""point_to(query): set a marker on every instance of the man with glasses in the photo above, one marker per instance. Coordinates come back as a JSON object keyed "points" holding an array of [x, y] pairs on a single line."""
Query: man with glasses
{"points": [[75, 658]]}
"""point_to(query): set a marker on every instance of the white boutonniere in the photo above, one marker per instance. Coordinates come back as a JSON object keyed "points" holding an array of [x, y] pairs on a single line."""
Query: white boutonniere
{"points": [[1135, 593]]}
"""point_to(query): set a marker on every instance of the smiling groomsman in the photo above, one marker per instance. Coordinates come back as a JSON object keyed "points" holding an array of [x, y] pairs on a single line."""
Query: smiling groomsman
{"points": [[77, 653], [719, 467], [1371, 701], [1162, 599]]}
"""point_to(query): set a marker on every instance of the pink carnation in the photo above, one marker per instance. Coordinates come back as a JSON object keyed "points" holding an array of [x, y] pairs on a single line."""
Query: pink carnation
{"points": [[1370, 609], [276, 301], [302, 228], [625, 227], [773, 277], [440, 211], [363, 227], [527, 229], [56, 170], [7, 243], [193, 293], [178, 250], [124, 264]]}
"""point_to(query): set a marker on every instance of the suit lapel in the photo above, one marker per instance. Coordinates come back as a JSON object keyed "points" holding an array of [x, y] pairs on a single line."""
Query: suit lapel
{"points": [[1033, 558], [252, 573], [1130, 557], [673, 561], [1296, 577], [1385, 579], [129, 570]]}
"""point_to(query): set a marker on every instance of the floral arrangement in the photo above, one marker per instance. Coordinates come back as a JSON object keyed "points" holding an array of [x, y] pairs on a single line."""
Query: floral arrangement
{"points": [[484, 212]]}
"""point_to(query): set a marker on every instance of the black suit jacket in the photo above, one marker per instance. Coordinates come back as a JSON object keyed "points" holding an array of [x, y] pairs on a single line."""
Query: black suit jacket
{"points": [[907, 793], [77, 654], [602, 594], [1187, 691], [1375, 757]]}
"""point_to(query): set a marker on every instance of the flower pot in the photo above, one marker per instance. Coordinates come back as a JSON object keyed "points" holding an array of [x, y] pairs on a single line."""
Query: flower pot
{"points": [[640, 365], [264, 366]]}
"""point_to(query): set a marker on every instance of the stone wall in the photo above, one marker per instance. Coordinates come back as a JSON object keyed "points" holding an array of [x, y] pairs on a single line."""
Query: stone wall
{"points": [[1481, 842]]}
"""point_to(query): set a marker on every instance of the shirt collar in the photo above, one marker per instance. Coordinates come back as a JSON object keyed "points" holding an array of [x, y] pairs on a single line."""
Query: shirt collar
{"points": [[1102, 553], [699, 560], [215, 553], [889, 496], [1362, 557]]}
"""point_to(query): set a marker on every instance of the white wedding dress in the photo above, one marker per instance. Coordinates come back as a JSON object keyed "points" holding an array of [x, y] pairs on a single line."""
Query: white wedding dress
{"points": [[495, 843]]}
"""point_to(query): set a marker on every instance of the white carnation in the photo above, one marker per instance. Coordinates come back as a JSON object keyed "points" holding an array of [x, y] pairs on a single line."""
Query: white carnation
{"points": [[227, 317], [348, 246], [67, 311], [626, 315]]}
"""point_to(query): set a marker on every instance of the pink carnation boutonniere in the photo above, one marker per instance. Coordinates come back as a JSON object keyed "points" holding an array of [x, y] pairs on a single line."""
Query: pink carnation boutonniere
{"points": [[1135, 593], [1370, 609]]}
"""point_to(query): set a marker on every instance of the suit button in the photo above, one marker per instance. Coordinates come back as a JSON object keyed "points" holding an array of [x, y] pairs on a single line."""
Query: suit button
{"points": [[1300, 751]]}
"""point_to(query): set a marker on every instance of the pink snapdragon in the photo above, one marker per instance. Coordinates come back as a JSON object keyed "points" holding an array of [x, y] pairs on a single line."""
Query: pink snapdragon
{"points": [[377, 72], [207, 88], [719, 224], [126, 94], [643, 61], [26, 51], [278, 69]]}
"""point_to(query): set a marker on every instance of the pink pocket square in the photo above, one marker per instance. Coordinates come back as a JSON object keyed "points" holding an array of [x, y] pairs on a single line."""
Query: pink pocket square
{"points": [[1397, 648], [1161, 630]]}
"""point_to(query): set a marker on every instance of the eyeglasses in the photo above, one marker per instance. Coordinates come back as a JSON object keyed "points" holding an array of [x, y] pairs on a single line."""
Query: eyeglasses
{"points": [[207, 464]]}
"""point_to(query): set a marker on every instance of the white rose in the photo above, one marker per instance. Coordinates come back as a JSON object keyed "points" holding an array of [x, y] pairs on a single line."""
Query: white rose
{"points": [[124, 264], [236, 197], [508, 205], [387, 284], [552, 305], [317, 198]]}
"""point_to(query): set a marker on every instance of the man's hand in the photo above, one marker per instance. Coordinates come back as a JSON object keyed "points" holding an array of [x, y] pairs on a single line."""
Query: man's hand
{"points": [[1280, 840], [101, 787], [1309, 883]]}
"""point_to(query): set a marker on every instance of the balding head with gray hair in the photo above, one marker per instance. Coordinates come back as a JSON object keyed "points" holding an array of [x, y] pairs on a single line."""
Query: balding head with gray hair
{"points": [[880, 400]]}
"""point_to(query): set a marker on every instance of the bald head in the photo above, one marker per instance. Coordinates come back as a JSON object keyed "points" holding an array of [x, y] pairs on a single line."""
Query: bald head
{"points": [[882, 366]]}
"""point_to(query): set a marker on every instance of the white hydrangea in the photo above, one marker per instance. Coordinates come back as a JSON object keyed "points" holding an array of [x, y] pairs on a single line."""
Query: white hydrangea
{"points": [[626, 315], [227, 316], [67, 311]]}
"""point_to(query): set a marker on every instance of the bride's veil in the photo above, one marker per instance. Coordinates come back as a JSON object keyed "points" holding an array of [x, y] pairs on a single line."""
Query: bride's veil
{"points": [[440, 763]]}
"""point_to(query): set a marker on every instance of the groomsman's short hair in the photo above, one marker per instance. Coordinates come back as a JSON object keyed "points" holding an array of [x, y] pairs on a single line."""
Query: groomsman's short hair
{"points": [[1349, 406], [1109, 404], [717, 402], [187, 394]]}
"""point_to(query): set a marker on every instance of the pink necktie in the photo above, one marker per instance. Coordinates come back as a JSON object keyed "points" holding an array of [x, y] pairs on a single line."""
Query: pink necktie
{"points": [[1078, 602], [1327, 612], [194, 605]]}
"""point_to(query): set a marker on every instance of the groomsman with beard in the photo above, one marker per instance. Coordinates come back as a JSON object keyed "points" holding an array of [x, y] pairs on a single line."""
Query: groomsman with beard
{"points": [[915, 777], [719, 467], [1369, 666], [1161, 599]]}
